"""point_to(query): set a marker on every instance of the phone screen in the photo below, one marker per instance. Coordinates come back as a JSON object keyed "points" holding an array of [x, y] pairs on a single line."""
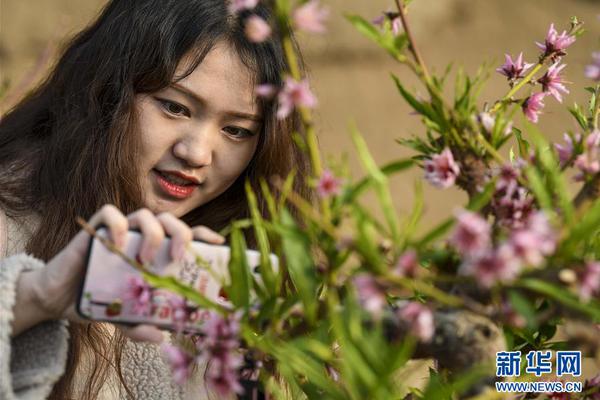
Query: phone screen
{"points": [[114, 291]]}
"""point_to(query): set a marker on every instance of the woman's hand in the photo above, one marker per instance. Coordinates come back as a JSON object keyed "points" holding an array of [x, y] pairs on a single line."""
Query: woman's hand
{"points": [[51, 292]]}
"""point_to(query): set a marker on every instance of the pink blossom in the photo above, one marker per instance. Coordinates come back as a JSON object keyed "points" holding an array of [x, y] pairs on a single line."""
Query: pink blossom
{"points": [[328, 184], [266, 90], [420, 319], [535, 241], [592, 71], [441, 170], [565, 152], [555, 44], [495, 265], [236, 6], [295, 94], [311, 17], [513, 69], [257, 30], [592, 387], [487, 121], [139, 294], [472, 233], [408, 264], [180, 311], [219, 349], [181, 362], [371, 294], [396, 22], [589, 280], [553, 83], [514, 210], [589, 161], [532, 107]]}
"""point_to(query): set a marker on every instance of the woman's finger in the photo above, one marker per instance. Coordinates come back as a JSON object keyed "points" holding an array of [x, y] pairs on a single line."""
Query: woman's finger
{"points": [[142, 333], [152, 232], [207, 235], [114, 220], [180, 233]]}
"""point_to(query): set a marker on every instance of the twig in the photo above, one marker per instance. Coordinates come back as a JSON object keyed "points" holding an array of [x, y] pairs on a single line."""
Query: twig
{"points": [[413, 48]]}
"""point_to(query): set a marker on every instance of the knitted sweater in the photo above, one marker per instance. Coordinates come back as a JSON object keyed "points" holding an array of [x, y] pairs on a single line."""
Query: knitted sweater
{"points": [[32, 362]]}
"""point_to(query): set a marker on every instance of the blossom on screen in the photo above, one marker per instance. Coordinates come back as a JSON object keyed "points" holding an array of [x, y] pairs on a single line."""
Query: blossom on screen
{"points": [[180, 362], [441, 170], [139, 294], [592, 71], [492, 266], [589, 161], [257, 30], [236, 6], [535, 241], [513, 69], [589, 280], [472, 233], [420, 319], [371, 295], [555, 44], [311, 17], [328, 184], [408, 264], [553, 83], [219, 348], [565, 151], [295, 94], [533, 105]]}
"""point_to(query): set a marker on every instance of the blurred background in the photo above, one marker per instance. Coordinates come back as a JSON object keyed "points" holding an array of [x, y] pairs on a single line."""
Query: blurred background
{"points": [[351, 76]]}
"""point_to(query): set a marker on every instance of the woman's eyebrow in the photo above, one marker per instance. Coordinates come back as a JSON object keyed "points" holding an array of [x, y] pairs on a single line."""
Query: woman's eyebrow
{"points": [[197, 98]]}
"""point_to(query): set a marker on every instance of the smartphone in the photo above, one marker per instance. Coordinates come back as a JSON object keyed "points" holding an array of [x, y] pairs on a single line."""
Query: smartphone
{"points": [[114, 291]]}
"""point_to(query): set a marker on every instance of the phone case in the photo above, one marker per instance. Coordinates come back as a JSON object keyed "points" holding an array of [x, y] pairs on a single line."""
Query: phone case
{"points": [[114, 291]]}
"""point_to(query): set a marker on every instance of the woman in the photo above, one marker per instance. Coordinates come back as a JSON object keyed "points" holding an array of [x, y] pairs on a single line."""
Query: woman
{"points": [[148, 120]]}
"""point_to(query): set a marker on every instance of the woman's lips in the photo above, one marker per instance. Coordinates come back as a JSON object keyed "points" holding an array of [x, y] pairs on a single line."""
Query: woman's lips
{"points": [[173, 189]]}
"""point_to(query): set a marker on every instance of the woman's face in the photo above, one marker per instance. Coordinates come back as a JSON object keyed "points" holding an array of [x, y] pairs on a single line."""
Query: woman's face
{"points": [[199, 134]]}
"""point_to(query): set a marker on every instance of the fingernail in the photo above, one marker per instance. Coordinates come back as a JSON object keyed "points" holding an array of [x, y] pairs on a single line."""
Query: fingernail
{"points": [[178, 251], [147, 253], [155, 336]]}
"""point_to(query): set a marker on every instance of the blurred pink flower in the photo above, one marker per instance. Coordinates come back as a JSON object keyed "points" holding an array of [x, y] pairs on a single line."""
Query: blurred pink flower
{"points": [[441, 170], [514, 210], [553, 83], [139, 294], [555, 44], [513, 69], [371, 294], [589, 280], [535, 241], [219, 349], [236, 6], [257, 30], [295, 94], [589, 385], [565, 151], [407, 265], [495, 265], [396, 22], [589, 161], [472, 234], [420, 319], [592, 71], [180, 362], [328, 184], [532, 107], [487, 121], [180, 311], [311, 17], [266, 90]]}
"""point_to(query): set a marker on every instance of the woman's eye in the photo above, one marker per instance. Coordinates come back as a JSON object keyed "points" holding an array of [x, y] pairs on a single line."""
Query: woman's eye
{"points": [[174, 108], [238, 132]]}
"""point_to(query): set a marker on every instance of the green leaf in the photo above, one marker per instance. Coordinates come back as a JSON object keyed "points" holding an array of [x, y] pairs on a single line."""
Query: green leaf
{"points": [[300, 265], [587, 227], [561, 295], [523, 144], [238, 290], [388, 169], [579, 116], [381, 184], [267, 273], [539, 188], [421, 107], [523, 307]]}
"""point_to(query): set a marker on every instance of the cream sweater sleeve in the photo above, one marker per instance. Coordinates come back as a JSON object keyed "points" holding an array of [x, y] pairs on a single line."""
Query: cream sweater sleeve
{"points": [[31, 363]]}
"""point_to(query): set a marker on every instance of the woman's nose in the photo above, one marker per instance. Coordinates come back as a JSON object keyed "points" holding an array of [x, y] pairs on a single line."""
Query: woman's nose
{"points": [[196, 148]]}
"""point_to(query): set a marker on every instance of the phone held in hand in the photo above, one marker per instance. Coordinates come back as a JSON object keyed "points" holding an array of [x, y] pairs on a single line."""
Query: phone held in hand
{"points": [[114, 291]]}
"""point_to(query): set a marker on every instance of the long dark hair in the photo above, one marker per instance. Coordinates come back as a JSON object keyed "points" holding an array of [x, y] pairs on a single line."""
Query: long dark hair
{"points": [[71, 145]]}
